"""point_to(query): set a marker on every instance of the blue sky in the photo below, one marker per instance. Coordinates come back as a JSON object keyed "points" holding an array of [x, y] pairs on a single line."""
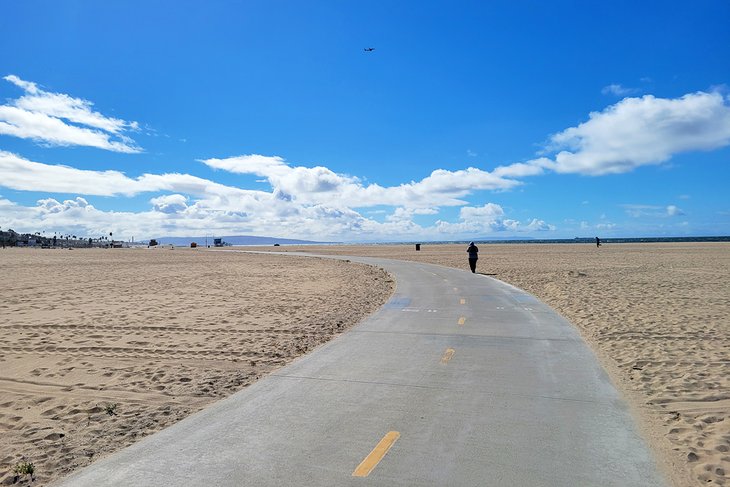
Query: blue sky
{"points": [[468, 120]]}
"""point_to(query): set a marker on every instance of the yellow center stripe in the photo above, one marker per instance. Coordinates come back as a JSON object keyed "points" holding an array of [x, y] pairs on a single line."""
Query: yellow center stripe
{"points": [[462, 320], [447, 356], [372, 460], [463, 301]]}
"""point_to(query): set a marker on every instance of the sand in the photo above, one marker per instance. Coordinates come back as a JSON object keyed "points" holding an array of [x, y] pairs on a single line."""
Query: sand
{"points": [[163, 333], [101, 347], [656, 315]]}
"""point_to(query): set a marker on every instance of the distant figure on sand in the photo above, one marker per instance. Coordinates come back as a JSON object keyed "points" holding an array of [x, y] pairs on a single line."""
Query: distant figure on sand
{"points": [[473, 251], [598, 242]]}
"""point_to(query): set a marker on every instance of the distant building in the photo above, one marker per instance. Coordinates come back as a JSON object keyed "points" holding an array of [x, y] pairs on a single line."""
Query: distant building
{"points": [[217, 242]]}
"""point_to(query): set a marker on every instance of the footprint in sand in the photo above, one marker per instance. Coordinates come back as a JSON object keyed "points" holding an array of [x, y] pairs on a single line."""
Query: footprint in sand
{"points": [[54, 436], [53, 411]]}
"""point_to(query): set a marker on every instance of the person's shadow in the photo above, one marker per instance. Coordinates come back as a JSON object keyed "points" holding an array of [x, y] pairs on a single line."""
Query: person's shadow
{"points": [[486, 274]]}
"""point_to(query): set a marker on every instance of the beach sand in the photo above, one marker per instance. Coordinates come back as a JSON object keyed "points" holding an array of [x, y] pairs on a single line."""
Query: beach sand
{"points": [[656, 315], [162, 333], [102, 347]]}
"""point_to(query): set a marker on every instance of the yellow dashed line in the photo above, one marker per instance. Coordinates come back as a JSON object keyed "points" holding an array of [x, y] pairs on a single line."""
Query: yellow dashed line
{"points": [[447, 356], [462, 320], [371, 461], [462, 301]]}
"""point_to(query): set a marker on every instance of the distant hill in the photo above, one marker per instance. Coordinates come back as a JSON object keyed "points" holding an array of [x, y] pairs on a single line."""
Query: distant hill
{"points": [[235, 240]]}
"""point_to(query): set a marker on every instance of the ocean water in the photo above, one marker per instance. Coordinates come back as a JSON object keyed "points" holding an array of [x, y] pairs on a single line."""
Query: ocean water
{"points": [[577, 240]]}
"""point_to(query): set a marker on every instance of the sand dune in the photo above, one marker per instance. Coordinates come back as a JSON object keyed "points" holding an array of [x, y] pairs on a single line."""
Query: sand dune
{"points": [[102, 347]]}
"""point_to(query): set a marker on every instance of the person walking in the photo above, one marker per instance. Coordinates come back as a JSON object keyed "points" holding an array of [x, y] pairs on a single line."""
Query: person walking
{"points": [[473, 251], [598, 242]]}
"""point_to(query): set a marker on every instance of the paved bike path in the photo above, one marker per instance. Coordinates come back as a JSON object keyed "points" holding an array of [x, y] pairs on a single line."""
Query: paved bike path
{"points": [[458, 380]]}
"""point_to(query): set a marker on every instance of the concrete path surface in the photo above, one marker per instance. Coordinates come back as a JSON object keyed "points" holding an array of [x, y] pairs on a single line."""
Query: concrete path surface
{"points": [[458, 380]]}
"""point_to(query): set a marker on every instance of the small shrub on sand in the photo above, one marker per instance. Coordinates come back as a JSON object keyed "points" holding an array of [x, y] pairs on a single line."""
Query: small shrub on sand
{"points": [[24, 468], [111, 409]]}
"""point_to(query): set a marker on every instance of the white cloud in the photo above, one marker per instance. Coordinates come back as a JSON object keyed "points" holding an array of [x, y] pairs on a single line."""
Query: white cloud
{"points": [[674, 211], [534, 167], [320, 203], [618, 90], [177, 215], [639, 211], [402, 214], [634, 132], [21, 174], [318, 206], [488, 219], [486, 214], [59, 119], [540, 226], [641, 131], [172, 203], [320, 185], [27, 86], [53, 206]]}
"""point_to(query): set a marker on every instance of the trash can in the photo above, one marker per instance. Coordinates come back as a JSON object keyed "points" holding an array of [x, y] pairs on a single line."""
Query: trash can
{"points": [[418, 246]]}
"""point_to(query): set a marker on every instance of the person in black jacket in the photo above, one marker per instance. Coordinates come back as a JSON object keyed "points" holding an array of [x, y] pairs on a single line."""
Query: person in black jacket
{"points": [[473, 251]]}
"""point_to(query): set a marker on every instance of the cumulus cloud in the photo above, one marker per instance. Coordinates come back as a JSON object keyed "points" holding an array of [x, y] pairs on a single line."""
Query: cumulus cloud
{"points": [[487, 213], [320, 185], [487, 220], [536, 225], [319, 202], [52, 206], [172, 203], [632, 133], [61, 120], [74, 216], [641, 131], [402, 214], [177, 215]]}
